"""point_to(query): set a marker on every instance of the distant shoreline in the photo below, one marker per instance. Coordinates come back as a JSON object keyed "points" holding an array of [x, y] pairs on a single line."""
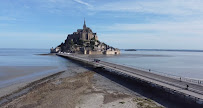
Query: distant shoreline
{"points": [[130, 50], [45, 54], [181, 50], [175, 50]]}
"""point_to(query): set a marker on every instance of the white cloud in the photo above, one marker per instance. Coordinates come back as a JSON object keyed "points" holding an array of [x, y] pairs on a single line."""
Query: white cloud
{"points": [[145, 41], [176, 28], [83, 3], [172, 7], [53, 4], [161, 21]]}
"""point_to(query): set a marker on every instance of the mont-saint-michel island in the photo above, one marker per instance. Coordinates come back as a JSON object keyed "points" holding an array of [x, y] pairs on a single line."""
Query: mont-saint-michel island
{"points": [[101, 54], [84, 41]]}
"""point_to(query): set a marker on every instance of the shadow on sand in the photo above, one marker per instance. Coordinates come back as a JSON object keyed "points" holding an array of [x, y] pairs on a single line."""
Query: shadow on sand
{"points": [[160, 95]]}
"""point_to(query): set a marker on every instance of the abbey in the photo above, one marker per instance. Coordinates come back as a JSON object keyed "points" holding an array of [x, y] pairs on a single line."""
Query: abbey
{"points": [[84, 41], [84, 34]]}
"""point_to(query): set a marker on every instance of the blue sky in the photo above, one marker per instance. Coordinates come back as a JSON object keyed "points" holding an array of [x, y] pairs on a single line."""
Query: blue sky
{"points": [[148, 24]]}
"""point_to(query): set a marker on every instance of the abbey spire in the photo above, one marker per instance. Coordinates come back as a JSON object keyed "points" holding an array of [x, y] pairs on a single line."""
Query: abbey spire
{"points": [[84, 26]]}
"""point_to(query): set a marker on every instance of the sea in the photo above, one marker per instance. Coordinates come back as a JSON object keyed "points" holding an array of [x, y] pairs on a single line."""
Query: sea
{"points": [[29, 57], [24, 65], [183, 63], [175, 63]]}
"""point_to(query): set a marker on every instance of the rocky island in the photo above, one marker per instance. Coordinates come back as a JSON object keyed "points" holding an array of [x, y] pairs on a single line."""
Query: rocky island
{"points": [[84, 41]]}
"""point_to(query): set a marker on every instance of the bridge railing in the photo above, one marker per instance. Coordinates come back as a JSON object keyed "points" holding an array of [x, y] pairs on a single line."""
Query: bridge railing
{"points": [[191, 80], [154, 72]]}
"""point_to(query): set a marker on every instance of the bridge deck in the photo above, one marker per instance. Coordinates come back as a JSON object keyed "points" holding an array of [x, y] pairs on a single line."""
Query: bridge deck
{"points": [[194, 90]]}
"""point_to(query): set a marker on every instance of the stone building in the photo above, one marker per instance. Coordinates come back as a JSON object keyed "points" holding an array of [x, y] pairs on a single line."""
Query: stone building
{"points": [[55, 50], [84, 34], [86, 42]]}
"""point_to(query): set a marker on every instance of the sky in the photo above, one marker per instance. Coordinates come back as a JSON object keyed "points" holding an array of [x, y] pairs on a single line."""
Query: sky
{"points": [[139, 24]]}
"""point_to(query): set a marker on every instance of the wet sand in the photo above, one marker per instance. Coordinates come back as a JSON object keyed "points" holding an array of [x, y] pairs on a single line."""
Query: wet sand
{"points": [[14, 77], [11, 72], [80, 88]]}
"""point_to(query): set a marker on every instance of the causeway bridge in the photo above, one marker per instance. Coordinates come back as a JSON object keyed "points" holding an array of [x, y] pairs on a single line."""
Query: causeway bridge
{"points": [[188, 88]]}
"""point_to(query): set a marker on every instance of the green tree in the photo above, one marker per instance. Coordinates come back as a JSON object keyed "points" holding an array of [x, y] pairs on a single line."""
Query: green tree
{"points": [[80, 42], [93, 39], [92, 43], [71, 43]]}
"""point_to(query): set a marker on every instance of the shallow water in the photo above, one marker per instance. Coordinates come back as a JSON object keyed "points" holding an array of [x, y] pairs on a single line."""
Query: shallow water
{"points": [[178, 63], [21, 65], [28, 57]]}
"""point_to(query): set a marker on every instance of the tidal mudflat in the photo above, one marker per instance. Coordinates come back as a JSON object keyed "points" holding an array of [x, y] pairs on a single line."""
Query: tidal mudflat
{"points": [[79, 87], [14, 77]]}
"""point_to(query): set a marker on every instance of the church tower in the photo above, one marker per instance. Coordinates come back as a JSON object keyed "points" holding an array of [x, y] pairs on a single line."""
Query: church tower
{"points": [[84, 26]]}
